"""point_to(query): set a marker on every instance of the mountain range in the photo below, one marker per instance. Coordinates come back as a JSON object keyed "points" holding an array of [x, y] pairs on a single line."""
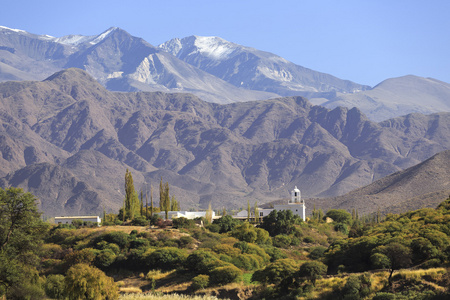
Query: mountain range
{"points": [[213, 69], [69, 140]]}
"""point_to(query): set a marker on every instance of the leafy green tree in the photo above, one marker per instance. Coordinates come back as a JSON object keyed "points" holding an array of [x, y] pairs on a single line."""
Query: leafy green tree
{"points": [[85, 282], [174, 204], [54, 286], [317, 252], [200, 282], [280, 222], [226, 223], [339, 216], [313, 270], [225, 275], [399, 256], [21, 233], [276, 271], [379, 261], [256, 209], [201, 261], [166, 258], [245, 232], [209, 214]]}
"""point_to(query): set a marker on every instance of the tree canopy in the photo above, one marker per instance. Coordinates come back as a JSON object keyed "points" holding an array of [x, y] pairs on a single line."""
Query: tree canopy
{"points": [[21, 233]]}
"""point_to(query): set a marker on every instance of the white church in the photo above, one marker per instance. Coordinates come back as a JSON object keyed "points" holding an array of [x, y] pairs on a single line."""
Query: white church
{"points": [[296, 204]]}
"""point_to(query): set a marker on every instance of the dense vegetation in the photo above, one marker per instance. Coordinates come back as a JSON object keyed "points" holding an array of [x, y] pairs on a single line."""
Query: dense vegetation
{"points": [[283, 257]]}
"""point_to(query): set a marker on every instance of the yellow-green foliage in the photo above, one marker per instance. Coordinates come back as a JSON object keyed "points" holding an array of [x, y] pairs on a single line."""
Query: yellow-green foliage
{"points": [[157, 274], [417, 274], [85, 282]]}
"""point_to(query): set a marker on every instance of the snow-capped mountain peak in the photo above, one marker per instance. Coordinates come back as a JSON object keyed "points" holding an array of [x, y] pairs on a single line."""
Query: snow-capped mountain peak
{"points": [[12, 29], [77, 39], [209, 46], [214, 47]]}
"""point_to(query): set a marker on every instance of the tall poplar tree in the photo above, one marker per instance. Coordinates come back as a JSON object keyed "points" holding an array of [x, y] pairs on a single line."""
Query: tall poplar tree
{"points": [[131, 209], [256, 212], [151, 200], [166, 199], [161, 195]]}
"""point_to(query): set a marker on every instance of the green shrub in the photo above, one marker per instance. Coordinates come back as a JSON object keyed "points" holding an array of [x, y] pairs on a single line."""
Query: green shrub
{"points": [[201, 261], [247, 262], [139, 243], [186, 242], [54, 286], [384, 296], [339, 216], [313, 270], [140, 221], [226, 249], [85, 282], [432, 263], [183, 223], [282, 241], [274, 252], [166, 258], [225, 275], [116, 237], [105, 258], [317, 252], [379, 261], [85, 256], [341, 227], [213, 228], [200, 282], [105, 245], [275, 272], [226, 223]]}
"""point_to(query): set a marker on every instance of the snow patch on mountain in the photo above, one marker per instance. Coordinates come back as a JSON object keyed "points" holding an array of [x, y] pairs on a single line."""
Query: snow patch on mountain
{"points": [[214, 47], [77, 39], [12, 29], [102, 36], [174, 46], [73, 40]]}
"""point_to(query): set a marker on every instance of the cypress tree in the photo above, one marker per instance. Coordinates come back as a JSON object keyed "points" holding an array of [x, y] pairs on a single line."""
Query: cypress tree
{"points": [[151, 200], [174, 204], [142, 203], [256, 212], [161, 195], [131, 198], [146, 204], [166, 200], [208, 215]]}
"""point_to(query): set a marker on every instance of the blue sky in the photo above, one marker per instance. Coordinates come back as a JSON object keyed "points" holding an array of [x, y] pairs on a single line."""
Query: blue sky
{"points": [[363, 41]]}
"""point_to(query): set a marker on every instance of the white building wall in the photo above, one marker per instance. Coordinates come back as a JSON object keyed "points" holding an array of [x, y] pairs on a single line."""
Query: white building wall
{"points": [[68, 220]]}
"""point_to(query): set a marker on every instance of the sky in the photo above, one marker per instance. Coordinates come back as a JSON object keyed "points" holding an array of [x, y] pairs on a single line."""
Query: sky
{"points": [[365, 41]]}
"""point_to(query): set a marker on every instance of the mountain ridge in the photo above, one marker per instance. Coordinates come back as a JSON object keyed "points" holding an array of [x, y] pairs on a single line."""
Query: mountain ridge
{"points": [[223, 154]]}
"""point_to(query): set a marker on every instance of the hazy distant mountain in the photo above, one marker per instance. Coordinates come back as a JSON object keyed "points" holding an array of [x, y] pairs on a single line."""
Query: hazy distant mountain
{"points": [[116, 59], [69, 138], [394, 97], [254, 69], [424, 185]]}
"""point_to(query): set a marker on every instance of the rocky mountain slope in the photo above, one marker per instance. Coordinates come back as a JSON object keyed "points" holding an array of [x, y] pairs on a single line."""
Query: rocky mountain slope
{"points": [[116, 59], [67, 137], [254, 69], [211, 68], [257, 70], [423, 185]]}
